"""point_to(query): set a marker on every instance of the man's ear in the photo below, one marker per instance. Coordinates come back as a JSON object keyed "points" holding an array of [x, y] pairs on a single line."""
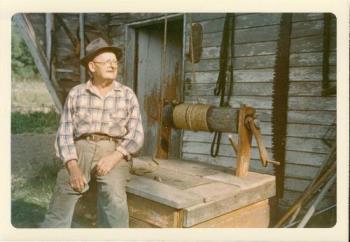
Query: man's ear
{"points": [[91, 66]]}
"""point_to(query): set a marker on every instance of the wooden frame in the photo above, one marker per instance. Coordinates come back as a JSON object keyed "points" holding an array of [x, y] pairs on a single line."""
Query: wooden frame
{"points": [[130, 40], [40, 59], [130, 59]]}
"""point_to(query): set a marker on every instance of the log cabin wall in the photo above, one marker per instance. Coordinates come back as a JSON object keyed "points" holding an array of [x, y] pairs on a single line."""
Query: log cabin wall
{"points": [[310, 114]]}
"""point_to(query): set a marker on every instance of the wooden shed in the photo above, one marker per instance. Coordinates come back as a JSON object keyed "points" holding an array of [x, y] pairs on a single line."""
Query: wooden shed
{"points": [[283, 65]]}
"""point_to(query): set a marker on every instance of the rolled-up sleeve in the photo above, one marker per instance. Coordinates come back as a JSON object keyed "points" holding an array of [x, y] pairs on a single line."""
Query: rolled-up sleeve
{"points": [[132, 142], [64, 145]]}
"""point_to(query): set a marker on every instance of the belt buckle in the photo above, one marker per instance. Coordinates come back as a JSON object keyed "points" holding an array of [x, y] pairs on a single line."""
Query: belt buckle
{"points": [[94, 138]]}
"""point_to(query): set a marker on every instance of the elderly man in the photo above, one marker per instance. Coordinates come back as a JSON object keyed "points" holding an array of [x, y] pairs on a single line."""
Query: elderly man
{"points": [[100, 130]]}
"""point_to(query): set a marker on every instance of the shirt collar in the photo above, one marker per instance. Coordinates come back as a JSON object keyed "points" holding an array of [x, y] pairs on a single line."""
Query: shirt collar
{"points": [[116, 86]]}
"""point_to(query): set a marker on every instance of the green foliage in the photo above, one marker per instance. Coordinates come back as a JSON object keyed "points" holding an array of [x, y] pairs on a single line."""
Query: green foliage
{"points": [[35, 122], [22, 63]]}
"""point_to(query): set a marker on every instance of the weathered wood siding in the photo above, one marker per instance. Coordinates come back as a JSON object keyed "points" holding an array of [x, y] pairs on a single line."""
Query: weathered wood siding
{"points": [[66, 55], [38, 22], [255, 47], [310, 114]]}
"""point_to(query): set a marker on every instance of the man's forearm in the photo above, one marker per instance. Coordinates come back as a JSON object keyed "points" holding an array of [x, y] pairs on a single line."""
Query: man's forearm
{"points": [[71, 164]]}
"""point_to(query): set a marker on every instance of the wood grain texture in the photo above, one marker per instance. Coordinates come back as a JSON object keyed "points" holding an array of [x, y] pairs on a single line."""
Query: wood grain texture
{"points": [[307, 144], [161, 193], [214, 191], [205, 211], [137, 223], [244, 142], [236, 102], [305, 158], [153, 213], [228, 162], [176, 178], [312, 103], [239, 89], [250, 75], [189, 167], [206, 137], [256, 215]]}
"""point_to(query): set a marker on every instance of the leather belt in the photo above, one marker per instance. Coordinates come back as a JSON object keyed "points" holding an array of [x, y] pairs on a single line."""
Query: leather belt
{"points": [[96, 137]]}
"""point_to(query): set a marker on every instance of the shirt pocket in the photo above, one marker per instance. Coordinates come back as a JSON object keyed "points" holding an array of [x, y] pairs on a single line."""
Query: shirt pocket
{"points": [[82, 121], [117, 123]]}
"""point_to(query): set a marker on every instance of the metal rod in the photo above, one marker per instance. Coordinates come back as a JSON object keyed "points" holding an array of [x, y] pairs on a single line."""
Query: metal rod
{"points": [[316, 214], [233, 144], [312, 209]]}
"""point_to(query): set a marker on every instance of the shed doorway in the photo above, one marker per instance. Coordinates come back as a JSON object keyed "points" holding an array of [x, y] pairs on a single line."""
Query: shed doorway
{"points": [[148, 78]]}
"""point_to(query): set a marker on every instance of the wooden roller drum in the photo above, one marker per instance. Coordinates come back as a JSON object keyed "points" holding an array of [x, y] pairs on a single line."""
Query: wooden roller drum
{"points": [[201, 117]]}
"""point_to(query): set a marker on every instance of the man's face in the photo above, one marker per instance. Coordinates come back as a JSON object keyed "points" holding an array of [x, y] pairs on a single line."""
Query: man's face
{"points": [[104, 66]]}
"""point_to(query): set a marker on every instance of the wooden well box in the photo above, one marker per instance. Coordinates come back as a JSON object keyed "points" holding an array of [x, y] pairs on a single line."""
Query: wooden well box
{"points": [[185, 194]]}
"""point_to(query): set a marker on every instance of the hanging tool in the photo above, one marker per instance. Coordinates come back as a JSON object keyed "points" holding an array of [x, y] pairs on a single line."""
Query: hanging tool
{"points": [[195, 51], [280, 99], [225, 73]]}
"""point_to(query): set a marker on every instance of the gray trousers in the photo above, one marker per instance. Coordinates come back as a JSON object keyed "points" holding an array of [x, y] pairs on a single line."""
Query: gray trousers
{"points": [[112, 208]]}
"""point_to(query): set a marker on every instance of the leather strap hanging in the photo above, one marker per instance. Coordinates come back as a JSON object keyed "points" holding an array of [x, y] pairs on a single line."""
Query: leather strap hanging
{"points": [[226, 72]]}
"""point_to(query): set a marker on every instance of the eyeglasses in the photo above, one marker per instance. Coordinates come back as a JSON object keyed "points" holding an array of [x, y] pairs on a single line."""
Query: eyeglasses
{"points": [[105, 63]]}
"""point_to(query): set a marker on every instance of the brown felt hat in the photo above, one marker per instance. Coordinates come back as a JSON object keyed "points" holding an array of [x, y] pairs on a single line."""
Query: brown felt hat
{"points": [[96, 47]]}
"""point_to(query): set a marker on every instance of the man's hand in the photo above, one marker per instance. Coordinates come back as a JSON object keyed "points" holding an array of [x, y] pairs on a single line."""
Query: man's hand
{"points": [[107, 163], [76, 177]]}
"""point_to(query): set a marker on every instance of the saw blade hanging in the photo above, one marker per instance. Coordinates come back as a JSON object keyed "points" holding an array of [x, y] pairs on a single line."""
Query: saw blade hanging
{"points": [[280, 100]]}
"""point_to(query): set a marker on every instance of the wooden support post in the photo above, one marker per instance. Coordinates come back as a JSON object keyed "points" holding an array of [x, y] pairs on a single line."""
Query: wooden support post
{"points": [[164, 132], [244, 142], [48, 25], [82, 45], [39, 57]]}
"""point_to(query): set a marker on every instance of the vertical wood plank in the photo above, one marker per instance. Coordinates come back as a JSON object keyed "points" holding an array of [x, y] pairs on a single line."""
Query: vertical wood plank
{"points": [[48, 26], [82, 45]]}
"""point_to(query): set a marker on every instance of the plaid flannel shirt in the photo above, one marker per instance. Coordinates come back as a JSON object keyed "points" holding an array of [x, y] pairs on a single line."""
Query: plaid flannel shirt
{"points": [[86, 112]]}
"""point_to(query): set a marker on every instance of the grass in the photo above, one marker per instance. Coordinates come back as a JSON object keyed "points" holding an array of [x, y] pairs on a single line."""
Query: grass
{"points": [[32, 178], [34, 122], [30, 197]]}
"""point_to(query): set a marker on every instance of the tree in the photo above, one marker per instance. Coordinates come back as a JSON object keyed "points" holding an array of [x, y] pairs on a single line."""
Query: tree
{"points": [[22, 63]]}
